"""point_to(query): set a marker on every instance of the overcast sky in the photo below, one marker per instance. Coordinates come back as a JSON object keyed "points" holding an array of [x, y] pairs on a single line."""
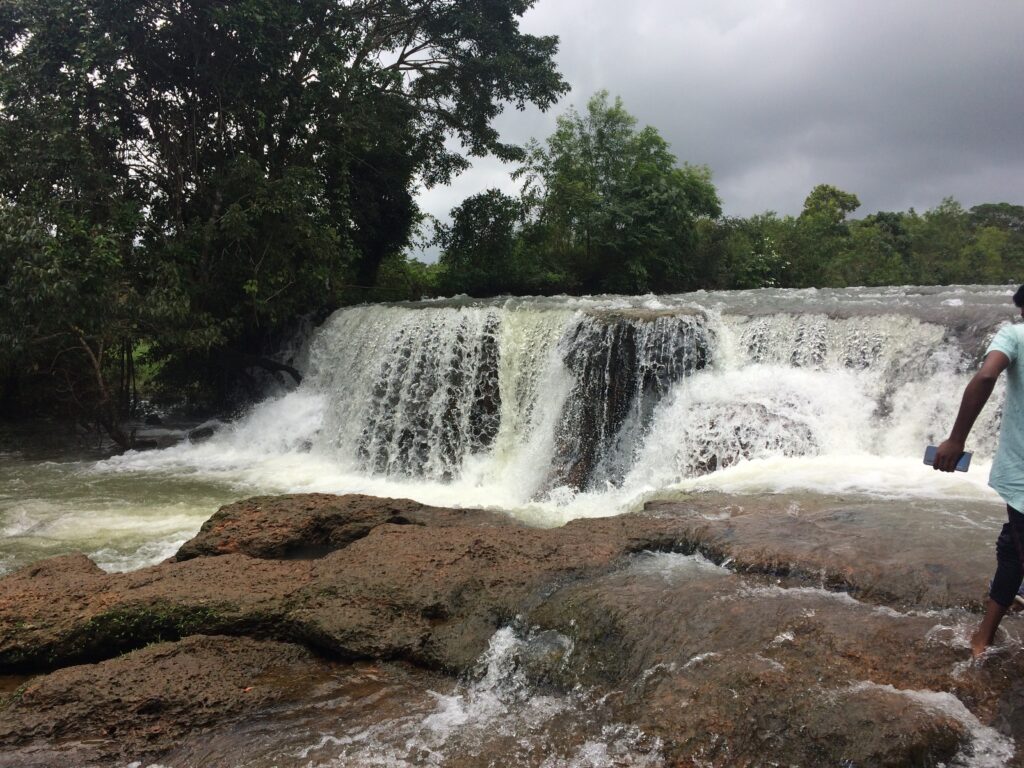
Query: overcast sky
{"points": [[902, 102]]}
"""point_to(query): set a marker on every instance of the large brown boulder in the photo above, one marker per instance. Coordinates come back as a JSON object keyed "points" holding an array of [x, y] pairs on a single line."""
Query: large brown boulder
{"points": [[431, 593], [896, 553], [309, 525], [721, 664]]}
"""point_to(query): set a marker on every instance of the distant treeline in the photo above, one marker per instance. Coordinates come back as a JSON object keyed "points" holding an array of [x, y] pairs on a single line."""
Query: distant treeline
{"points": [[606, 208]]}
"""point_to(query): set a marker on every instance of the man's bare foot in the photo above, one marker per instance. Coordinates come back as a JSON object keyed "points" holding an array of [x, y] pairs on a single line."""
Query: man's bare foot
{"points": [[979, 644], [985, 634]]}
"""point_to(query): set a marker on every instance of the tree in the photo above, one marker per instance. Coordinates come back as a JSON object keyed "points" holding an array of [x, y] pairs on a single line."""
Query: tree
{"points": [[830, 203], [1000, 215], [479, 246], [985, 255], [68, 316], [940, 239], [617, 211], [741, 253], [877, 252], [821, 234], [247, 159], [1006, 218]]}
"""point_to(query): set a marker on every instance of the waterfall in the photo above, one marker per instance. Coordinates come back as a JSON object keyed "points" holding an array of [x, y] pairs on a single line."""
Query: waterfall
{"points": [[523, 402], [409, 393]]}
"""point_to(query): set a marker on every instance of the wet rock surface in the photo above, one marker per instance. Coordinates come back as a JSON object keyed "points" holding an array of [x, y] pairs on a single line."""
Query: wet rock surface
{"points": [[893, 553], [721, 630], [314, 524], [623, 365], [723, 665], [144, 702]]}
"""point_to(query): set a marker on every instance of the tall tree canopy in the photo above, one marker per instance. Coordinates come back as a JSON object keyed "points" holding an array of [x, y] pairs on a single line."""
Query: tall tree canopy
{"points": [[820, 234], [235, 162], [617, 209]]}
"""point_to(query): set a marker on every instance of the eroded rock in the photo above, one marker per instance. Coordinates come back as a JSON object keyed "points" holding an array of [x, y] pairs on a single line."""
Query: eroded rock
{"points": [[892, 553], [144, 702], [836, 633], [313, 524], [721, 665]]}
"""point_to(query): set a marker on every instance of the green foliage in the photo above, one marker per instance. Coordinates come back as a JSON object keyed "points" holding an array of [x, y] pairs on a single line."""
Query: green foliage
{"points": [[616, 212], [479, 247], [197, 175], [404, 279], [68, 311], [829, 204], [942, 246], [742, 253], [821, 234], [183, 181], [999, 215], [605, 208], [984, 254], [876, 252], [1006, 249]]}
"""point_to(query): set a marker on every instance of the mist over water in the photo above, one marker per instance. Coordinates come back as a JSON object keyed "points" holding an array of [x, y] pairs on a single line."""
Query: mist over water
{"points": [[556, 408]]}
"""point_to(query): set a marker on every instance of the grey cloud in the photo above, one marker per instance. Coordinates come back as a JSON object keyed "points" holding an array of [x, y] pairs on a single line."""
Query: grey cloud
{"points": [[903, 103]]}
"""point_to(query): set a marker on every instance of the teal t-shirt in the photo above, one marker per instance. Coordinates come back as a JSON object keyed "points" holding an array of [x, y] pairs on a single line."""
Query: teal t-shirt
{"points": [[1007, 476]]}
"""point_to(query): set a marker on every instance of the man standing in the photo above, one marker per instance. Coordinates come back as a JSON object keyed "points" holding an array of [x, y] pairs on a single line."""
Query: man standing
{"points": [[1005, 353]]}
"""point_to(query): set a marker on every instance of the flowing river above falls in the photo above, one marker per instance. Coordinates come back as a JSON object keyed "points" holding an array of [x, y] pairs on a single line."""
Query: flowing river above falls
{"points": [[557, 408]]}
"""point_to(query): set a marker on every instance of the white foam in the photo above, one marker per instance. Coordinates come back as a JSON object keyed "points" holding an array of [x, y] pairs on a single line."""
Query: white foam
{"points": [[700, 658], [673, 567], [499, 702], [792, 402], [890, 477], [775, 592], [618, 747], [988, 748], [149, 553]]}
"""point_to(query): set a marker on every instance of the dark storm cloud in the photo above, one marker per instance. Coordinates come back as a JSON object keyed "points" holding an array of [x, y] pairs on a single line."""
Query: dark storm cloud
{"points": [[902, 102]]}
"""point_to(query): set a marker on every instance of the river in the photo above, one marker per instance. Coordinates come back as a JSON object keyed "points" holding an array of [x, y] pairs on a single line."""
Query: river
{"points": [[553, 409]]}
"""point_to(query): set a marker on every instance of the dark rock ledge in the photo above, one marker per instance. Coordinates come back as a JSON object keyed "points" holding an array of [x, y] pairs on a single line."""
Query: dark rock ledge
{"points": [[768, 661]]}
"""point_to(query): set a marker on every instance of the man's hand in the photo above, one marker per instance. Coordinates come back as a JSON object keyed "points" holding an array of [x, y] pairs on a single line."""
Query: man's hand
{"points": [[975, 396], [947, 456]]}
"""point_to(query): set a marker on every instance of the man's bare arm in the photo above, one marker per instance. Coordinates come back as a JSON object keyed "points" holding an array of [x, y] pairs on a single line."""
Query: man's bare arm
{"points": [[976, 394]]}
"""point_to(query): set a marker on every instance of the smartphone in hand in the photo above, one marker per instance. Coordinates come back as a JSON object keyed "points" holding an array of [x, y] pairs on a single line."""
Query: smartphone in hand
{"points": [[961, 466]]}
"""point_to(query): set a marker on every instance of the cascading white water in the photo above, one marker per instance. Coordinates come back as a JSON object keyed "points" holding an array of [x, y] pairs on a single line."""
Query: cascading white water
{"points": [[559, 407], [408, 393], [498, 714]]}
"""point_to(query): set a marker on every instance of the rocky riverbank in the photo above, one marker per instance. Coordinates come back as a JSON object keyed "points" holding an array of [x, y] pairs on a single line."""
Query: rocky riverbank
{"points": [[712, 630]]}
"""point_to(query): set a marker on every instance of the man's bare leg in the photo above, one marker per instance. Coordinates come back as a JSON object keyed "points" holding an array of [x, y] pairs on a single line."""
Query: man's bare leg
{"points": [[986, 631]]}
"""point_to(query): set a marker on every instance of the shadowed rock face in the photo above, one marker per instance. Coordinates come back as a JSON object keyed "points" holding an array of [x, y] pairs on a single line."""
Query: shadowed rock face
{"points": [[623, 367], [835, 635]]}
